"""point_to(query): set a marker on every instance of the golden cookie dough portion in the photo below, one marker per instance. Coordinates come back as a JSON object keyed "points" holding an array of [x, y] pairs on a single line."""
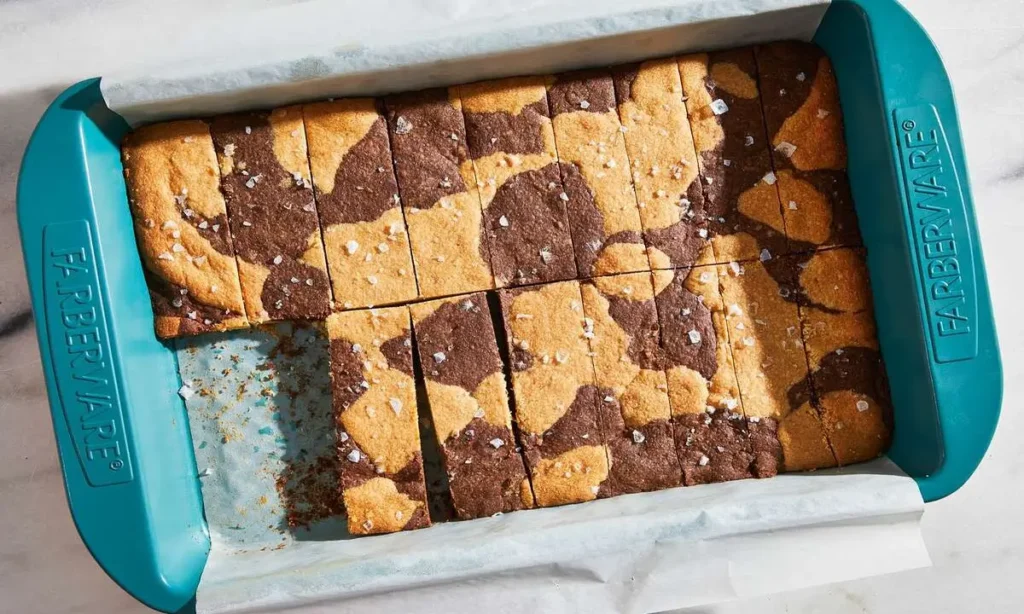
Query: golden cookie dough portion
{"points": [[847, 373], [182, 230], [374, 401], [663, 162], [603, 215], [365, 239], [767, 346], [724, 109], [512, 144], [556, 399], [438, 190]]}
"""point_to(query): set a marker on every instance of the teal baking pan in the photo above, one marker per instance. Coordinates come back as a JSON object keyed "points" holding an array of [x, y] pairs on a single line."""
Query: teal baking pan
{"points": [[122, 432]]}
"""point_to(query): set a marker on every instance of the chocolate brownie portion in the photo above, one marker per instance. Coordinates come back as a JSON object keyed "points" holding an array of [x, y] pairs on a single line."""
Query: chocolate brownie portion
{"points": [[181, 227], [274, 225], [469, 406], [512, 145], [365, 239], [374, 401]]}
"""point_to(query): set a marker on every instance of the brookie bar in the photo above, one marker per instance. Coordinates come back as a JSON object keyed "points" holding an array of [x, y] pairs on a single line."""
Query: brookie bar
{"points": [[715, 441], [662, 161], [182, 229], [374, 400], [740, 197], [622, 325], [512, 145], [274, 226], [437, 186], [805, 125], [555, 396], [465, 387], [365, 239], [603, 216]]}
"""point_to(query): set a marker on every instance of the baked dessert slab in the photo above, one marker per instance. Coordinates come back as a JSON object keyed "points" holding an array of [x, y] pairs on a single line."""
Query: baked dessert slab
{"points": [[181, 227], [805, 127], [512, 144], [554, 392], [662, 161], [275, 230], [622, 326], [603, 216], [365, 239], [438, 189], [469, 406], [741, 199], [374, 402]]}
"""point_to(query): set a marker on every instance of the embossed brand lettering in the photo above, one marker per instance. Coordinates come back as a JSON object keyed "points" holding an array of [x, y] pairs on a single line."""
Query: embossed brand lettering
{"points": [[79, 348], [936, 231]]}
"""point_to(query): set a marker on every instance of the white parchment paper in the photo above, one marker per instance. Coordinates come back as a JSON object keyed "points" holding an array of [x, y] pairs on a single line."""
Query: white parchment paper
{"points": [[260, 415], [324, 48], [259, 401]]}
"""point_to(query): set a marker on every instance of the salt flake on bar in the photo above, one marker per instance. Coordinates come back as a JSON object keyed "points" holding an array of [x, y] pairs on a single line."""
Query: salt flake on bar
{"points": [[719, 107]]}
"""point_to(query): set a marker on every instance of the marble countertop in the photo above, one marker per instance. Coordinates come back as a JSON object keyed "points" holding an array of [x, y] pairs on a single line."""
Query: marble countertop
{"points": [[976, 545]]}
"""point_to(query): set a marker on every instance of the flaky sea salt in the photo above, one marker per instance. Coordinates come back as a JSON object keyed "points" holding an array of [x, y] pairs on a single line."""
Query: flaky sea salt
{"points": [[863, 405], [402, 125], [694, 336], [353, 456], [638, 437], [769, 178], [719, 107], [704, 460]]}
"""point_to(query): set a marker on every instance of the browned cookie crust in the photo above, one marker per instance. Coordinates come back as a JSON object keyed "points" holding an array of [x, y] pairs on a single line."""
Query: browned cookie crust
{"points": [[622, 325], [182, 230], [438, 189], [741, 200], [274, 225], [555, 397], [512, 145], [365, 239], [468, 399], [603, 215], [805, 126], [850, 388], [663, 162], [374, 399]]}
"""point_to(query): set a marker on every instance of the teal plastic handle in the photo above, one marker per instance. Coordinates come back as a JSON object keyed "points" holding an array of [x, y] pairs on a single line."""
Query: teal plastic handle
{"points": [[909, 179], [122, 433]]}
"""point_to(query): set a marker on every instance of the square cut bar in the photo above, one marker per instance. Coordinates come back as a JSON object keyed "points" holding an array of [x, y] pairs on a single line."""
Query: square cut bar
{"points": [[274, 225], [554, 392], [714, 441], [182, 229], [374, 400], [805, 128], [851, 391], [438, 190], [761, 308], [662, 161], [622, 325], [365, 239], [740, 197], [603, 216], [512, 144], [468, 399]]}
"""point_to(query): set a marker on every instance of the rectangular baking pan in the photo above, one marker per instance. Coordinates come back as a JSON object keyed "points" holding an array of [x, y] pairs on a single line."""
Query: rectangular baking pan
{"points": [[122, 431]]}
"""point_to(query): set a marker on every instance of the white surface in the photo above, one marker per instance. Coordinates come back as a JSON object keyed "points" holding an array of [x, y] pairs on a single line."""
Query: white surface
{"points": [[974, 538]]}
